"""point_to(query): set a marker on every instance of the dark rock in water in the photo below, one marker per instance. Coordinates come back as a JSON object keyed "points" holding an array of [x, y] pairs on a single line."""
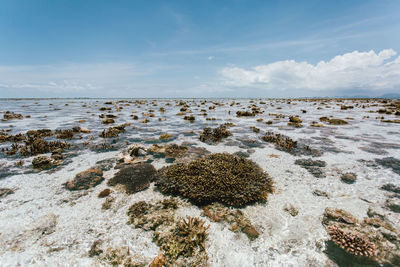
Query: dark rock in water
{"points": [[220, 177], [313, 166], [85, 180], [349, 177], [393, 204], [391, 188], [5, 192], [135, 178], [42, 162], [391, 163]]}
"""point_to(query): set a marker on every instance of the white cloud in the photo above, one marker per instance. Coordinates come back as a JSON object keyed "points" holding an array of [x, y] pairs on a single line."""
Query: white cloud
{"points": [[356, 70], [70, 78], [210, 58]]}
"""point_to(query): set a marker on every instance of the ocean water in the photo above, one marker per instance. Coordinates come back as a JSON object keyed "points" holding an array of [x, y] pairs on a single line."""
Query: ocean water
{"points": [[76, 220]]}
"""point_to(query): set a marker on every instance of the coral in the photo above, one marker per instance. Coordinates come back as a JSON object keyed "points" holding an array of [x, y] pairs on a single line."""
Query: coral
{"points": [[219, 177], [245, 113], [215, 135], [175, 150], [42, 162], [352, 243], [234, 217], [282, 142], [158, 261], [8, 115], [34, 146], [184, 244], [165, 137], [122, 257], [190, 118], [151, 216], [113, 131], [349, 177]]}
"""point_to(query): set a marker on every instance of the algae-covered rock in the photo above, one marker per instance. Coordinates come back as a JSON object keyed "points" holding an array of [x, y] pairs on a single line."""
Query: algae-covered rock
{"points": [[220, 177], [135, 178], [85, 180]]}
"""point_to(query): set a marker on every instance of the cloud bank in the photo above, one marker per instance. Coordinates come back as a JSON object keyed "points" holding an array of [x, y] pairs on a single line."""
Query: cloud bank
{"points": [[355, 70]]}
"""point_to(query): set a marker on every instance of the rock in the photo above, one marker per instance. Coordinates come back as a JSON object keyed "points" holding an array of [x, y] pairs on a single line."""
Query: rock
{"points": [[108, 203], [291, 210], [108, 121], [393, 204], [158, 261], [85, 180], [5, 192], [104, 193], [295, 119], [320, 193], [391, 188], [94, 250], [349, 177], [338, 215], [137, 151], [313, 166], [135, 178], [85, 130], [250, 231], [337, 122], [42, 162]]}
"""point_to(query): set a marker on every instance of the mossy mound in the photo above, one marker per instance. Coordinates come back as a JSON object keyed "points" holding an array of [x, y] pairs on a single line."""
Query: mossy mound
{"points": [[220, 177]]}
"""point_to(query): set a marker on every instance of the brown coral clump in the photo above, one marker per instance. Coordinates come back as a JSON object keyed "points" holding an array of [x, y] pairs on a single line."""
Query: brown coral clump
{"points": [[352, 243], [185, 243], [219, 177], [215, 135]]}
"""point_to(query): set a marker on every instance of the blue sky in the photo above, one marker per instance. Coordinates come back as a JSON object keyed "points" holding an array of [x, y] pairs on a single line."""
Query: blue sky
{"points": [[221, 48]]}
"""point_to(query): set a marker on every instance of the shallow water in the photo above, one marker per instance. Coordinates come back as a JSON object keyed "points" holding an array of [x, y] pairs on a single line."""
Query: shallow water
{"points": [[284, 241]]}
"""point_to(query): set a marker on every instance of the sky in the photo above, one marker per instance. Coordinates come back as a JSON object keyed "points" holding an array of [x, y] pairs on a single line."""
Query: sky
{"points": [[238, 48]]}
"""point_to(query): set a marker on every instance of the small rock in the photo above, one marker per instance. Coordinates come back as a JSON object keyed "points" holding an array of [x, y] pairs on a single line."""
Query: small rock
{"points": [[320, 193], [349, 177], [104, 193], [291, 210]]}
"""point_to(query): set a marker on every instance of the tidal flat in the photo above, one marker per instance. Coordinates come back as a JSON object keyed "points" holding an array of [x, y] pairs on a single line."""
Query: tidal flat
{"points": [[200, 182]]}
